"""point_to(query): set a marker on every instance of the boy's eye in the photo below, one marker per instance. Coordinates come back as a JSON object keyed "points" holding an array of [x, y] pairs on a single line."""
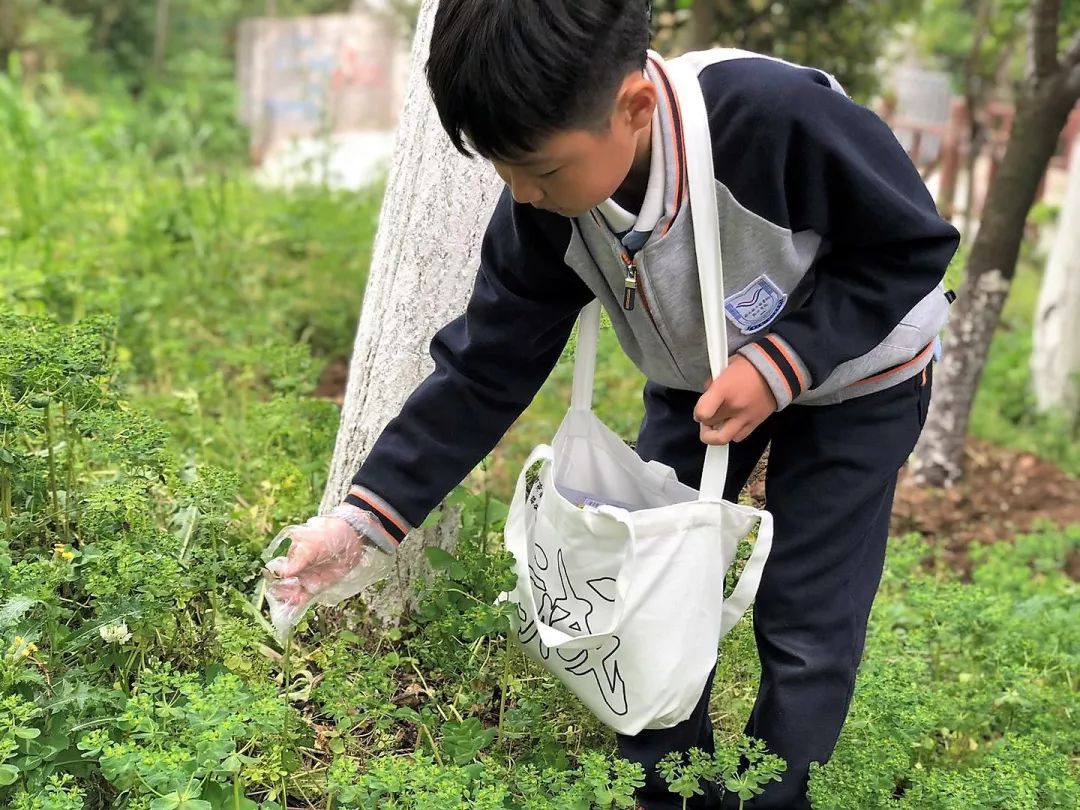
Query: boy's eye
{"points": [[548, 174]]}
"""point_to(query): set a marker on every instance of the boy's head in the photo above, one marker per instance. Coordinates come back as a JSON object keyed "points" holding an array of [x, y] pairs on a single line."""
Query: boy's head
{"points": [[552, 92]]}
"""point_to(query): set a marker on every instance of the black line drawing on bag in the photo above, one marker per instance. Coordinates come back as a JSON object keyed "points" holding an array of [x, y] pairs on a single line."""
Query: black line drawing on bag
{"points": [[567, 606], [612, 687], [527, 632], [594, 584], [533, 495], [541, 561]]}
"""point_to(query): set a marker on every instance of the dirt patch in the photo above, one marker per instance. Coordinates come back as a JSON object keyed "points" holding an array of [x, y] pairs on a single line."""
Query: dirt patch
{"points": [[332, 381], [1004, 493]]}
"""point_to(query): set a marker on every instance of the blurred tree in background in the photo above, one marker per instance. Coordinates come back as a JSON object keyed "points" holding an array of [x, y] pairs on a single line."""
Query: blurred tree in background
{"points": [[1045, 89], [839, 36]]}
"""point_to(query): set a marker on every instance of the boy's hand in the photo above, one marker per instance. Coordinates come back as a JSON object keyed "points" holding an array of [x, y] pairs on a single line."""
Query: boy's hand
{"points": [[330, 558], [323, 551], [734, 404]]}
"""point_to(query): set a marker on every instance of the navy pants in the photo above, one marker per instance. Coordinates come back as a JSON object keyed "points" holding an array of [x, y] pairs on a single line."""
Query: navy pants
{"points": [[830, 483]]}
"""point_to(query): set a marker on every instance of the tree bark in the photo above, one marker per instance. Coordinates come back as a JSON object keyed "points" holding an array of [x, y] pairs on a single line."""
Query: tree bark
{"points": [[702, 26], [433, 216], [161, 36], [974, 96], [1055, 356], [1041, 114], [1043, 38]]}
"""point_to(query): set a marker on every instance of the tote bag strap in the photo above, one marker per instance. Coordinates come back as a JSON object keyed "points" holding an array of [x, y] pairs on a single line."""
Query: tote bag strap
{"points": [[703, 210], [747, 587], [588, 342]]}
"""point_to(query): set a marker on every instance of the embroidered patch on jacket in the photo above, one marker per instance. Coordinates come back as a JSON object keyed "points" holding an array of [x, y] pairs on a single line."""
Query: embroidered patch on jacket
{"points": [[756, 305]]}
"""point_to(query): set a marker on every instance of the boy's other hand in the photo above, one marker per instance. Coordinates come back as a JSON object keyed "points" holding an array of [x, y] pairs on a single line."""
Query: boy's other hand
{"points": [[734, 403]]}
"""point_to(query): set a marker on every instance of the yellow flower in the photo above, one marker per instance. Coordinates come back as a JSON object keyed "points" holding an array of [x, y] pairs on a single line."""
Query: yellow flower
{"points": [[20, 649]]}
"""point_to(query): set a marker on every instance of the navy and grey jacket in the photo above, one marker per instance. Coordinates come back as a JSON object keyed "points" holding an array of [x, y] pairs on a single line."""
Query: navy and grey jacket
{"points": [[833, 255]]}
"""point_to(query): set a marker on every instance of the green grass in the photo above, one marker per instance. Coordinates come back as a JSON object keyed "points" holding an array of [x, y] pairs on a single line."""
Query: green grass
{"points": [[174, 320]]}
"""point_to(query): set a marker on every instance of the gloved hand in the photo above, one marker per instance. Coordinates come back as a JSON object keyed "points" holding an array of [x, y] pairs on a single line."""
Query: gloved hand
{"points": [[331, 557]]}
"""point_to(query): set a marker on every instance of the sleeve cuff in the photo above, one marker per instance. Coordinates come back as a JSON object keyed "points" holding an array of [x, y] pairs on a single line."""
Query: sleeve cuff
{"points": [[393, 524], [781, 366]]}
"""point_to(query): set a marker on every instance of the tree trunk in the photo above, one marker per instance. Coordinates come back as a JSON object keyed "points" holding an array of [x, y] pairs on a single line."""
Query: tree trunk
{"points": [[1040, 117], [433, 216], [161, 36], [1055, 356], [974, 96], [701, 28]]}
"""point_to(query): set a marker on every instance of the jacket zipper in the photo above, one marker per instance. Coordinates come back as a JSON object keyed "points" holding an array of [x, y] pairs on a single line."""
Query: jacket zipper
{"points": [[631, 284], [634, 285]]}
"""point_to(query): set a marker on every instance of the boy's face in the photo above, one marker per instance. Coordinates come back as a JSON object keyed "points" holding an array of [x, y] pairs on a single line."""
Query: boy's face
{"points": [[576, 170]]}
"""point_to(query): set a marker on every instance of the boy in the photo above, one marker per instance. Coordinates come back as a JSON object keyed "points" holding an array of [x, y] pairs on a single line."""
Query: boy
{"points": [[833, 256]]}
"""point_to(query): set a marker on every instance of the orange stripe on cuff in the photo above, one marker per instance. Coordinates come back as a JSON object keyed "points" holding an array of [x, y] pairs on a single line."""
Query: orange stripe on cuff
{"points": [[779, 371], [803, 384], [380, 506]]}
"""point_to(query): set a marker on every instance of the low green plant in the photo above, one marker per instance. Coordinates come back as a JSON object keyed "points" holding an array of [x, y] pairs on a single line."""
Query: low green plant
{"points": [[743, 769], [420, 783], [177, 736]]}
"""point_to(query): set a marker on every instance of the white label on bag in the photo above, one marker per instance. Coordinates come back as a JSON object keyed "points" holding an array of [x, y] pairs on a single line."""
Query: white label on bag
{"points": [[588, 500]]}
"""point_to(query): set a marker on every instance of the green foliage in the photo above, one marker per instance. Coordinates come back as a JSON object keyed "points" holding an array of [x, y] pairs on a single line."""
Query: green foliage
{"points": [[418, 783], [983, 38], [108, 47], [743, 770], [176, 734], [165, 324], [842, 38], [59, 793], [966, 685]]}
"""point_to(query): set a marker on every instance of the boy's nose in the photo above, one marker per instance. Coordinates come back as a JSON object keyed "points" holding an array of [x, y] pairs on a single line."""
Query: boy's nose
{"points": [[525, 192]]}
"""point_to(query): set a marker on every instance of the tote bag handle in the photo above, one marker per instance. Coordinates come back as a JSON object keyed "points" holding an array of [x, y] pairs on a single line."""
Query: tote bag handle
{"points": [[710, 261], [705, 218]]}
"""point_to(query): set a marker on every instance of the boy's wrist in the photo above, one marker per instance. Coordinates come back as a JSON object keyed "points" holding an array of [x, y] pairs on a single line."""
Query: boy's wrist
{"points": [[365, 524], [392, 523], [781, 366]]}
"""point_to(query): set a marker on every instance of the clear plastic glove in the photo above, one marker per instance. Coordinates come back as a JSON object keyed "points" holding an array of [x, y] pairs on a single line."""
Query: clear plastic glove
{"points": [[331, 558]]}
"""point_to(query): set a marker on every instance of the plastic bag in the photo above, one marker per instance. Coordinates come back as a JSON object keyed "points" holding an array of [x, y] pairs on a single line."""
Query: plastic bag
{"points": [[327, 562]]}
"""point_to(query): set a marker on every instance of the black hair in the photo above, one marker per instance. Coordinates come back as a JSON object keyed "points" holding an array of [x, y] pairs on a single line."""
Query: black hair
{"points": [[507, 74]]}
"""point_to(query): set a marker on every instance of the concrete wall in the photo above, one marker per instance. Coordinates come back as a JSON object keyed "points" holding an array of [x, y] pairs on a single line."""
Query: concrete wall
{"points": [[302, 77]]}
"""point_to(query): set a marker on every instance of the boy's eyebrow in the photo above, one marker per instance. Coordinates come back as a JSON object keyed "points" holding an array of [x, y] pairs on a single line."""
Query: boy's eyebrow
{"points": [[531, 161]]}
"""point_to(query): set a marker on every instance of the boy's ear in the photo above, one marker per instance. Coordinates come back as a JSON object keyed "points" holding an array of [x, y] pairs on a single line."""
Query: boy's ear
{"points": [[636, 101]]}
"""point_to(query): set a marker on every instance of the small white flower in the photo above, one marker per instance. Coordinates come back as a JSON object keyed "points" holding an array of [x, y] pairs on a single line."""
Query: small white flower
{"points": [[115, 633]]}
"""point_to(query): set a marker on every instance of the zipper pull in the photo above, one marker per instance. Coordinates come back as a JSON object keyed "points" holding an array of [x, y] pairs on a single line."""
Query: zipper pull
{"points": [[630, 286]]}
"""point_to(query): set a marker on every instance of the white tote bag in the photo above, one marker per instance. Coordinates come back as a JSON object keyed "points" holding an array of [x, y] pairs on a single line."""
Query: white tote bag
{"points": [[620, 567]]}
